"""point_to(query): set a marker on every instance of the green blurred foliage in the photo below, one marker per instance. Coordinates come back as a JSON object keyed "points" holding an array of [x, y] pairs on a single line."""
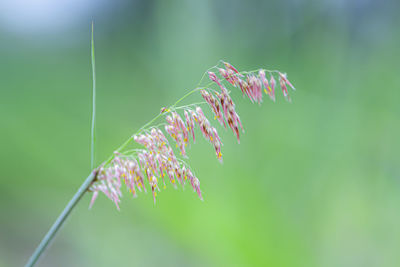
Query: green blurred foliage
{"points": [[313, 183]]}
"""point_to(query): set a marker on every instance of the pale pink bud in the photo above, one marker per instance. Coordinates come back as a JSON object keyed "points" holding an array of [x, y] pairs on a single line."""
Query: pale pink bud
{"points": [[255, 88], [213, 77], [273, 83], [284, 88], [214, 104], [284, 78], [267, 87], [230, 67], [190, 124]]}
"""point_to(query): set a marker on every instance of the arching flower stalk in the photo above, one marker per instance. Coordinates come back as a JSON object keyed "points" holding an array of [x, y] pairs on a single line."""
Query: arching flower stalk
{"points": [[155, 159]]}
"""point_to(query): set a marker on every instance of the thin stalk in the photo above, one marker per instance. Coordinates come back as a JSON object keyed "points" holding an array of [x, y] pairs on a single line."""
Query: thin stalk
{"points": [[61, 219], [93, 105]]}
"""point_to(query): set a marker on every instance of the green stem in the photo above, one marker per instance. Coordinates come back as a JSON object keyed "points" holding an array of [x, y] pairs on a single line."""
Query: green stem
{"points": [[93, 105], [185, 96], [61, 219]]}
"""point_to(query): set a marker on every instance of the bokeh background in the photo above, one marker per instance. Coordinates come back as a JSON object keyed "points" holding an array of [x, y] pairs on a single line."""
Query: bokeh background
{"points": [[315, 182]]}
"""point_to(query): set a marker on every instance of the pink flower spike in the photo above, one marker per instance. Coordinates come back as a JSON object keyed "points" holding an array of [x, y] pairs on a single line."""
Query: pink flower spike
{"points": [[229, 75], [273, 83], [267, 87], [256, 88], [284, 78], [243, 86], [196, 185], [230, 67], [224, 73], [249, 89], [214, 104], [190, 124], [237, 118], [283, 87], [213, 77]]}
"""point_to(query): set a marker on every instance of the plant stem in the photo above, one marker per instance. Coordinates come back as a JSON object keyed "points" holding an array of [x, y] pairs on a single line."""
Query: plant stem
{"points": [[61, 219], [93, 105]]}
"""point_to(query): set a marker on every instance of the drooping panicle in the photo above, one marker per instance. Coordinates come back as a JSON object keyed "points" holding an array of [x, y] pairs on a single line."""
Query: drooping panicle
{"points": [[155, 160]]}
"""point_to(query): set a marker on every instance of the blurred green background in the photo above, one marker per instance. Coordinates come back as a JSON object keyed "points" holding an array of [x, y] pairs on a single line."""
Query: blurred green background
{"points": [[313, 183]]}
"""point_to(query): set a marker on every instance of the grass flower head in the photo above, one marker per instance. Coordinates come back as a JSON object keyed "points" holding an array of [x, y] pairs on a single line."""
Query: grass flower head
{"points": [[155, 161]]}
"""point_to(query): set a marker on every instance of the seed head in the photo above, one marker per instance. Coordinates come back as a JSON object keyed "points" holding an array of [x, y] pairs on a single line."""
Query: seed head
{"points": [[155, 160]]}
